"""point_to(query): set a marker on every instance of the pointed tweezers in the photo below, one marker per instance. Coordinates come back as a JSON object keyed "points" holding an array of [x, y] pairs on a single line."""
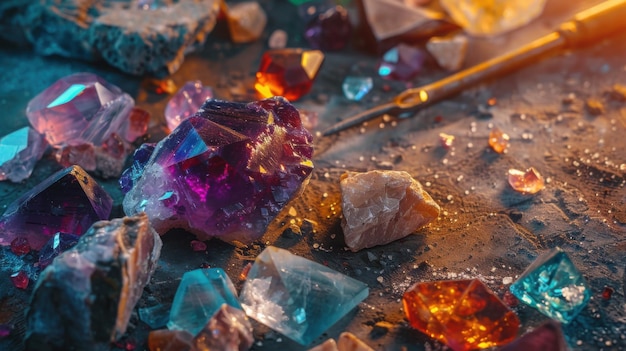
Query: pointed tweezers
{"points": [[596, 22]]}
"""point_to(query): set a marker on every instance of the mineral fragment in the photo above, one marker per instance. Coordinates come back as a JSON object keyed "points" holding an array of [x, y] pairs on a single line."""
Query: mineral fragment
{"points": [[69, 201], [225, 172], [19, 152], [136, 124], [246, 21], [20, 279], [554, 286], [392, 18], [347, 342], [528, 182], [20, 246], [498, 140], [446, 140], [288, 72], [199, 296], [155, 316], [402, 62], [227, 329], [127, 36], [449, 52], [355, 88], [382, 206], [186, 102], [278, 39], [84, 299], [488, 17], [330, 30], [81, 108], [546, 337], [134, 172], [463, 314], [297, 297]]}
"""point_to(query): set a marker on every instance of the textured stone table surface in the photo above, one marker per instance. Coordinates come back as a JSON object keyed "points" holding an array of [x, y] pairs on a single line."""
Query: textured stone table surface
{"points": [[486, 230]]}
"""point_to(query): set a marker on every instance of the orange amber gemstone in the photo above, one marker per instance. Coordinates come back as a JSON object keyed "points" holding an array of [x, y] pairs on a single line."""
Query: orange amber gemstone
{"points": [[498, 140], [287, 72], [463, 314], [447, 140], [529, 182]]}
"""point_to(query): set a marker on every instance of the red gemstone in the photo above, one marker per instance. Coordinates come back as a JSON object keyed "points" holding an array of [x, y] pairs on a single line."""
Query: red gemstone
{"points": [[288, 72], [197, 245], [20, 279], [607, 292], [136, 125], [20, 246]]}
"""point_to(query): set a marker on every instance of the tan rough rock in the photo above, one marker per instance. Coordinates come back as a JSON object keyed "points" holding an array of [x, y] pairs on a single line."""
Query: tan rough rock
{"points": [[347, 342], [382, 206], [246, 21], [449, 52]]}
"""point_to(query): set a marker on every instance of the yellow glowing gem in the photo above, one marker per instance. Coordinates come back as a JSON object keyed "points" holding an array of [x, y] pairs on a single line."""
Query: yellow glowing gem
{"points": [[498, 140], [529, 182], [446, 140]]}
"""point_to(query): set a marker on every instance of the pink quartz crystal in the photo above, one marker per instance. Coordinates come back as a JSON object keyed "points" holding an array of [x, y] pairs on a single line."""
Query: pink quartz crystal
{"points": [[186, 102]]}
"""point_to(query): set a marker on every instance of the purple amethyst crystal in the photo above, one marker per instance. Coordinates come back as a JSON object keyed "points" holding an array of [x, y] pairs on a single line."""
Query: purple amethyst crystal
{"points": [[58, 244], [69, 201], [225, 172], [140, 158]]}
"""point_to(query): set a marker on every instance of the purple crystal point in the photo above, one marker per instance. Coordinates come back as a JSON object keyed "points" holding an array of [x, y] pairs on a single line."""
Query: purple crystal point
{"points": [[58, 244], [402, 62], [330, 31], [140, 158], [79, 109], [19, 151], [226, 171], [68, 201], [186, 102]]}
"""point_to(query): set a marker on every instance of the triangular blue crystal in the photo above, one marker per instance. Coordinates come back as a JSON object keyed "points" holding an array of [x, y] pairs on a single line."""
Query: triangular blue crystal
{"points": [[296, 296], [200, 294]]}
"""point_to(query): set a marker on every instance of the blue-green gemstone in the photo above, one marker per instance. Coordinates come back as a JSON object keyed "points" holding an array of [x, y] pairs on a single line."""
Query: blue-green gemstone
{"points": [[355, 88], [298, 297], [200, 294], [554, 286]]}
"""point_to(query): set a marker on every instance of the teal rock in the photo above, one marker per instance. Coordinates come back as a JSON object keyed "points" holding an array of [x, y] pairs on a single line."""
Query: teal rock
{"points": [[554, 286], [200, 294], [298, 297]]}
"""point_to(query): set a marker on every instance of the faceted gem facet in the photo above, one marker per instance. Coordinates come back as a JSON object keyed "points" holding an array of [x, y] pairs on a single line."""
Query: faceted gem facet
{"points": [[19, 152], [58, 244], [330, 30], [85, 298], [246, 21], [481, 17], [225, 172], [79, 109], [186, 102], [546, 337], [463, 314], [20, 279], [355, 88], [498, 140], [402, 62], [69, 201], [529, 182], [288, 72], [200, 294], [134, 172], [298, 297], [554, 286], [382, 206]]}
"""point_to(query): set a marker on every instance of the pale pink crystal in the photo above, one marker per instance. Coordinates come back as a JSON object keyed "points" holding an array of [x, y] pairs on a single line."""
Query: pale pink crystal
{"points": [[186, 102]]}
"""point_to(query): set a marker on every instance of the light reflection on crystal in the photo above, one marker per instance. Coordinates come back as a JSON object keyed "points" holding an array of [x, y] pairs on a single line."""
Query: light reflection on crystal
{"points": [[355, 88], [19, 152], [528, 182], [498, 140]]}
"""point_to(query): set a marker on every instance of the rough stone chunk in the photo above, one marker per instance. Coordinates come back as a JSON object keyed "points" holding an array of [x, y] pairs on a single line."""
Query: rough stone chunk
{"points": [[246, 21], [84, 299], [382, 206], [347, 342], [448, 51], [225, 172]]}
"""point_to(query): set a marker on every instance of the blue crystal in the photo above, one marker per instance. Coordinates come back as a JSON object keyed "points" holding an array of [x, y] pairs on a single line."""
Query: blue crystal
{"points": [[58, 244], [134, 172], [200, 294], [296, 296], [554, 286], [355, 88], [155, 316]]}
